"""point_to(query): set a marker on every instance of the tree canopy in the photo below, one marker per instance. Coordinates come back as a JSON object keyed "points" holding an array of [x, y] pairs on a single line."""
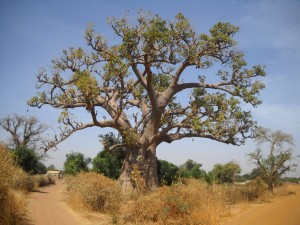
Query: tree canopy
{"points": [[226, 173], [139, 85], [28, 160], [25, 132], [109, 161], [276, 162], [75, 163], [192, 169]]}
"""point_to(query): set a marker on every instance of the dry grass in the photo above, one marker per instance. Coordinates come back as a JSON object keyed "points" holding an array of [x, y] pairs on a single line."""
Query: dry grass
{"points": [[94, 192], [43, 180], [255, 190], [286, 189], [13, 184], [191, 203], [13, 208]]}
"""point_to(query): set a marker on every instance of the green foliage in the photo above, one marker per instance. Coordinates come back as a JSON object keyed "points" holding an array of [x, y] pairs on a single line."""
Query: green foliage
{"points": [[75, 163], [109, 161], [41, 168], [167, 172], [210, 178], [250, 176], [191, 169], [291, 179], [273, 165], [28, 160], [129, 137], [136, 80], [226, 173]]}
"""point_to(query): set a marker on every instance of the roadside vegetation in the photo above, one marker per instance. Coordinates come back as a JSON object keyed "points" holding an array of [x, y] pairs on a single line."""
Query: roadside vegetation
{"points": [[187, 193], [186, 201], [15, 183], [137, 83]]}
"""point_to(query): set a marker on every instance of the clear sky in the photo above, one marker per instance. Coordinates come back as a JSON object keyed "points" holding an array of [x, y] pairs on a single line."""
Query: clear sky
{"points": [[32, 32]]}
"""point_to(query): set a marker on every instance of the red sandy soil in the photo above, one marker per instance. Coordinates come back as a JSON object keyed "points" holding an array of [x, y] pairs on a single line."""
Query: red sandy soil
{"points": [[281, 210]]}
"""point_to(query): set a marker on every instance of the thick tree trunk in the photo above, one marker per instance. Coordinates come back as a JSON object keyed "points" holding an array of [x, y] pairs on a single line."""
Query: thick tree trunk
{"points": [[139, 170]]}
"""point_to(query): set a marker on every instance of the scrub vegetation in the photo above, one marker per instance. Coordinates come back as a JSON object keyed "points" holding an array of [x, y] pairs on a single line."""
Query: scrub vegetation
{"points": [[15, 184]]}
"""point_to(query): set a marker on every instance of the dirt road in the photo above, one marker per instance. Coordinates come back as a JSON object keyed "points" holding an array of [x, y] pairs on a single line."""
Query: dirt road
{"points": [[280, 211], [47, 207]]}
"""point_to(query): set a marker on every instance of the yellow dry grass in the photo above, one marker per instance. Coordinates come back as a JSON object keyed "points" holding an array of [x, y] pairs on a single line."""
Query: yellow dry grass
{"points": [[192, 203], [94, 192], [13, 183]]}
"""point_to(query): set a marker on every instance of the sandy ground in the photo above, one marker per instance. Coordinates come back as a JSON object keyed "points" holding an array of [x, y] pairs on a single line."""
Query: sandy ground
{"points": [[47, 207], [282, 210]]}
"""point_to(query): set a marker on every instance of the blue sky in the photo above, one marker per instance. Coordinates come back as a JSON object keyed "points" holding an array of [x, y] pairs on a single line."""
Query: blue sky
{"points": [[33, 32]]}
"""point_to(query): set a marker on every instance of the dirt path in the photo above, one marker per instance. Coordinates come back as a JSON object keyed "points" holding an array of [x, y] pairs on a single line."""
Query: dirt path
{"points": [[280, 211], [47, 207]]}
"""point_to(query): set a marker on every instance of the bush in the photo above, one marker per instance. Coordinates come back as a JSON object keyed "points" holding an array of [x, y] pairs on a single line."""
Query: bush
{"points": [[28, 160], [254, 190], [75, 163], [167, 172], [7, 169], [43, 180], [95, 191], [12, 199], [109, 161], [194, 202], [13, 208], [24, 182]]}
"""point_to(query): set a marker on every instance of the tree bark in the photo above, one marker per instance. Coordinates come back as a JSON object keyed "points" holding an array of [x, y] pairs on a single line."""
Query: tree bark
{"points": [[271, 187], [139, 170]]}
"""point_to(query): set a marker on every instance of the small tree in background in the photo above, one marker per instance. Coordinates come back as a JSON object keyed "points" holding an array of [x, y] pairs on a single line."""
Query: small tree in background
{"points": [[191, 169], [28, 160], [276, 163], [25, 132], [226, 173], [75, 163], [167, 172], [110, 160]]}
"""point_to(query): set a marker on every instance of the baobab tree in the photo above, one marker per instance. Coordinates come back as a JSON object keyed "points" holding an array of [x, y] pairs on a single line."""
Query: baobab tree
{"points": [[25, 132], [139, 87]]}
